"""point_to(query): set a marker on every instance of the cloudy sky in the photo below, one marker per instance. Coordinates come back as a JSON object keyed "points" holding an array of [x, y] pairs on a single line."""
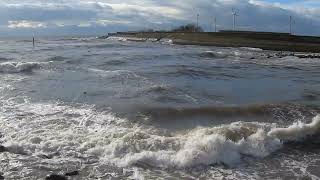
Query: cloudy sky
{"points": [[63, 17]]}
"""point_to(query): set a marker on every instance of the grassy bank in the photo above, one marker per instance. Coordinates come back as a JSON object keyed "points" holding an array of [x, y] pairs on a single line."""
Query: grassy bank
{"points": [[263, 40]]}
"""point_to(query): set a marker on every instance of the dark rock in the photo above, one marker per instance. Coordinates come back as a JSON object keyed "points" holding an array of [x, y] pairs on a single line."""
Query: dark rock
{"points": [[49, 156], [1, 177], [73, 173], [3, 149], [44, 156], [56, 177]]}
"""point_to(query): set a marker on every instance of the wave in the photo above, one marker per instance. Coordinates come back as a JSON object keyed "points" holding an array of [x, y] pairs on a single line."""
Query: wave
{"points": [[263, 109], [158, 89], [215, 54], [166, 41], [251, 49], [109, 45], [229, 53], [123, 74], [114, 62], [84, 132], [114, 38], [56, 58], [17, 67], [297, 131], [3, 59], [191, 71], [226, 145]]}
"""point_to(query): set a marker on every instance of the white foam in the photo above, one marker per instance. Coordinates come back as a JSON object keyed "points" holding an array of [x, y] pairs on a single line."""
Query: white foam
{"points": [[15, 148], [230, 53], [204, 146], [251, 49], [166, 41], [17, 67], [82, 131], [114, 38], [137, 175], [297, 131], [124, 74], [217, 54]]}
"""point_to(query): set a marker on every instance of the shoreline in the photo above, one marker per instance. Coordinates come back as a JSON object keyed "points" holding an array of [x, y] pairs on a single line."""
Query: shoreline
{"points": [[262, 40]]}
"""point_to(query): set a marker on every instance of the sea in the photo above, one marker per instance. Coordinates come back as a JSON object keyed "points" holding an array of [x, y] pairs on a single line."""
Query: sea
{"points": [[120, 108]]}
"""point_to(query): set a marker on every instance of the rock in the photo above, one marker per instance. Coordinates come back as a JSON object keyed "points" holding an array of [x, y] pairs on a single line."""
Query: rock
{"points": [[49, 156], [1, 177], [36, 140], [3, 149], [56, 177], [73, 173]]}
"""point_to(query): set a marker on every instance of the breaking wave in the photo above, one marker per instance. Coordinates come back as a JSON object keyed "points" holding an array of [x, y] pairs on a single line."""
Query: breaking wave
{"points": [[226, 145], [228, 53], [251, 49], [84, 132], [17, 67], [297, 131], [56, 58]]}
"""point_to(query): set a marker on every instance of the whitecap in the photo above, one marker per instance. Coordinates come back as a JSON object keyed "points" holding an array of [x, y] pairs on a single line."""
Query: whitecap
{"points": [[115, 73], [297, 131], [17, 67], [203, 146], [86, 132], [251, 49]]}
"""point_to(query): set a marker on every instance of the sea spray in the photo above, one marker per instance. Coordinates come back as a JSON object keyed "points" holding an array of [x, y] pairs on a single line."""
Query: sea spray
{"points": [[17, 67], [297, 131]]}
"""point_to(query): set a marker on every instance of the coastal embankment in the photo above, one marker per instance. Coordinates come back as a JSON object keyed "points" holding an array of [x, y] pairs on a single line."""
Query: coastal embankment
{"points": [[263, 40]]}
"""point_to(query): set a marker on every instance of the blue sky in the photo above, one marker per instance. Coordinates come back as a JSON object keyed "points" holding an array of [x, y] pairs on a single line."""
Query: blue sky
{"points": [[64, 17]]}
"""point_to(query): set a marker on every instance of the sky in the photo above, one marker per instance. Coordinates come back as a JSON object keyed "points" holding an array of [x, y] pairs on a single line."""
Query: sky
{"points": [[97, 17]]}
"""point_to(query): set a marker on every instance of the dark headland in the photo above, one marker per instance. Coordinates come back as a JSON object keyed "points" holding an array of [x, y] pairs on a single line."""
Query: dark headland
{"points": [[263, 40]]}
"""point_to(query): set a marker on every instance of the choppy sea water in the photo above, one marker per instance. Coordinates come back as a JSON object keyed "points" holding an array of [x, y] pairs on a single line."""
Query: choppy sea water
{"points": [[115, 109]]}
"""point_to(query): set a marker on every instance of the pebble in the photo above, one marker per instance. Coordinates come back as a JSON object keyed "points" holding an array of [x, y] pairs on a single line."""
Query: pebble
{"points": [[74, 173], [56, 177]]}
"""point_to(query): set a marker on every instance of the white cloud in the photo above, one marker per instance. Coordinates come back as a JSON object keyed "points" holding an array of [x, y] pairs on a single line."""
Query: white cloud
{"points": [[105, 22], [160, 10], [26, 24], [164, 14]]}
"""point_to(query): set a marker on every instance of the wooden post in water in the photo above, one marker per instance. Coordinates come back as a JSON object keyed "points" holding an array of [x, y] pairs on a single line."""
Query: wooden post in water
{"points": [[33, 42]]}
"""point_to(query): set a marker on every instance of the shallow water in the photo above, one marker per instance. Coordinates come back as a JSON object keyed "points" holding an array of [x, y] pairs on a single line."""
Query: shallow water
{"points": [[128, 110]]}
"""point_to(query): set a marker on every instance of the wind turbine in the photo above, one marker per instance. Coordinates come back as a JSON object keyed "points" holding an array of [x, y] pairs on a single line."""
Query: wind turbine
{"points": [[292, 22], [215, 24], [234, 14], [197, 28]]}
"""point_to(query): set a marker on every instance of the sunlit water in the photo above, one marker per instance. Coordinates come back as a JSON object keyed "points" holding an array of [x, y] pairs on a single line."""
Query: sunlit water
{"points": [[129, 110]]}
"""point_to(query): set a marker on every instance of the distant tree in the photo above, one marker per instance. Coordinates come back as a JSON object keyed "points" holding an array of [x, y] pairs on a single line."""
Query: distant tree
{"points": [[188, 28]]}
